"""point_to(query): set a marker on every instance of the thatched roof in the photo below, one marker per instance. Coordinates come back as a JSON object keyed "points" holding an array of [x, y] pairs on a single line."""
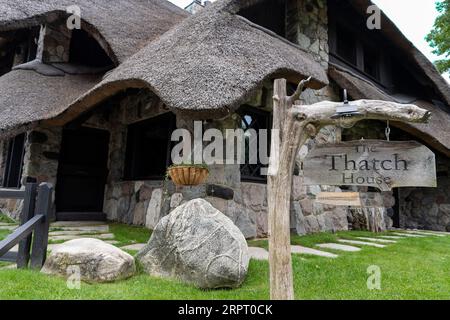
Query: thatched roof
{"points": [[27, 97], [436, 133], [208, 65], [121, 26], [407, 49]]}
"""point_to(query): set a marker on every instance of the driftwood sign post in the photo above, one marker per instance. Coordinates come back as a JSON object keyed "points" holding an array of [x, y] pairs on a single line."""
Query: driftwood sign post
{"points": [[293, 124]]}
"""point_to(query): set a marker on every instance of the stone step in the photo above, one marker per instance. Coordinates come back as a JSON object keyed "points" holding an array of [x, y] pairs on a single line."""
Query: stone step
{"points": [[407, 235], [376, 240], [99, 228], [7, 224], [136, 246], [9, 227], [104, 236], [362, 243], [425, 233], [59, 224], [258, 253], [310, 251], [75, 233], [9, 267], [337, 246], [392, 237]]}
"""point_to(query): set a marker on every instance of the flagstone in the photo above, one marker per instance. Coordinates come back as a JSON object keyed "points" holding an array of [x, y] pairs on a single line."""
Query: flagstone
{"points": [[362, 243], [424, 233], [10, 227], [376, 240], [104, 236], [136, 246], [408, 235], [74, 232], [58, 224], [392, 237], [99, 228], [337, 246], [258, 253], [310, 251]]}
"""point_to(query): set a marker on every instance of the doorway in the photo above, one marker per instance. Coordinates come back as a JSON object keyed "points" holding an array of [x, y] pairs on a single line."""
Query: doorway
{"points": [[82, 174]]}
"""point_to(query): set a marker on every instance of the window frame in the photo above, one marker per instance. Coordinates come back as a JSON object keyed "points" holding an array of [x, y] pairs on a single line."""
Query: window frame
{"points": [[15, 155], [269, 119], [135, 130]]}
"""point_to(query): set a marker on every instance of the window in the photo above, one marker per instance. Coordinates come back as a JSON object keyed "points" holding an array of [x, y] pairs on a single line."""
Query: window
{"points": [[270, 14], [252, 118], [14, 162], [346, 45], [149, 148], [85, 50], [371, 62]]}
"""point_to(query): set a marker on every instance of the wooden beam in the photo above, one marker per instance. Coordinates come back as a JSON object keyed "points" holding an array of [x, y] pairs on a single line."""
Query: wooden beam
{"points": [[12, 194]]}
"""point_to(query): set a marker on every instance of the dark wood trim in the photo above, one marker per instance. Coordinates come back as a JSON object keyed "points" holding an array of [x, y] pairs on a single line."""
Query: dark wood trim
{"points": [[12, 193], [19, 234]]}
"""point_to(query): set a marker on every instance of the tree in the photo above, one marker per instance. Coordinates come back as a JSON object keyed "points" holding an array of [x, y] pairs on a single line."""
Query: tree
{"points": [[293, 125], [439, 37]]}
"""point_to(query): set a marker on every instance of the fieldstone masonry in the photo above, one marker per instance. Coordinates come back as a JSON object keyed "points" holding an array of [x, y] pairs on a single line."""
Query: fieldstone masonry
{"points": [[428, 208]]}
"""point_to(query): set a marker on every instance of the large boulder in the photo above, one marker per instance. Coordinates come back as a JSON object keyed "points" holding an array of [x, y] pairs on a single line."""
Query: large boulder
{"points": [[197, 244], [97, 260]]}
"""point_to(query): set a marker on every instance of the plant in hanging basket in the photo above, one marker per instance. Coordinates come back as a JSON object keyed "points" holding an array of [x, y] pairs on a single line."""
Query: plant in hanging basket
{"points": [[188, 174]]}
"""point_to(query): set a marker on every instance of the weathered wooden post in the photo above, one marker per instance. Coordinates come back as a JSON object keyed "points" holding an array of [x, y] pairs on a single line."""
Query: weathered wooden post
{"points": [[40, 240], [295, 124]]}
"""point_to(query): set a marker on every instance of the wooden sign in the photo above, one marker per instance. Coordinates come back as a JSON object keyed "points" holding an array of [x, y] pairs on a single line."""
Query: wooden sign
{"points": [[381, 164], [346, 199]]}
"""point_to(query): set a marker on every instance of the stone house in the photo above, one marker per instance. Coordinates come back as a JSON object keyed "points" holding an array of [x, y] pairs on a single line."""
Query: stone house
{"points": [[92, 109]]}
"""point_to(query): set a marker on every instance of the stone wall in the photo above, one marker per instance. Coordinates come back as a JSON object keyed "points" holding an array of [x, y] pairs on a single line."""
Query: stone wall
{"points": [[308, 27], [428, 208], [40, 163]]}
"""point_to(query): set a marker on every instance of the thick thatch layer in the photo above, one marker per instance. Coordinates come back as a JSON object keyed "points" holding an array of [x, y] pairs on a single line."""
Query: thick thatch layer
{"points": [[122, 26], [208, 64], [435, 133], [27, 97], [409, 52]]}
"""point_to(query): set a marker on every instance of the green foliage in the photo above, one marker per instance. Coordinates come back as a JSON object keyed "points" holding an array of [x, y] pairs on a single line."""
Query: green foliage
{"points": [[4, 218], [439, 37]]}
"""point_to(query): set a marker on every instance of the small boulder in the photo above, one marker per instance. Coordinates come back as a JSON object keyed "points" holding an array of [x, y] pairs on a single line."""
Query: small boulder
{"points": [[197, 244], [97, 260]]}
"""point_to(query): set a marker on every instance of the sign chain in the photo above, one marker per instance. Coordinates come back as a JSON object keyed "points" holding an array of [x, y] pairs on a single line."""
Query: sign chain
{"points": [[388, 132]]}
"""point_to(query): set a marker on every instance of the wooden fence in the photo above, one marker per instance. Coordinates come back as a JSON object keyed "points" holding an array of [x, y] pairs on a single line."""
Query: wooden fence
{"points": [[32, 234]]}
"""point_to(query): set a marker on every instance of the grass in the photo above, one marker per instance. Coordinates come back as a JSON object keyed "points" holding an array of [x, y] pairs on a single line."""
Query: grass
{"points": [[5, 219], [413, 268]]}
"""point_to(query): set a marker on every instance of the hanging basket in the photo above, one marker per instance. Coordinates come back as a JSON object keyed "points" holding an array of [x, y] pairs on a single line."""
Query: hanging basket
{"points": [[188, 175]]}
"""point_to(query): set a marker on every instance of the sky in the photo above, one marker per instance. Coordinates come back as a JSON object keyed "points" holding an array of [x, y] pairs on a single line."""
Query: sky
{"points": [[415, 18]]}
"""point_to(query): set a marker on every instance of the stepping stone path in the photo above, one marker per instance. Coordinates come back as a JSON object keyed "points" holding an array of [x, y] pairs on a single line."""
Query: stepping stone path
{"points": [[258, 253], [337, 246], [103, 236], [408, 235], [424, 233], [376, 240], [362, 243], [9, 227], [135, 247], [310, 251], [392, 237], [70, 230], [262, 254]]}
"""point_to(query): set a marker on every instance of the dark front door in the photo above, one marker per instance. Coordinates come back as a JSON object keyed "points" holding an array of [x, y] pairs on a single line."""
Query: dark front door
{"points": [[82, 174]]}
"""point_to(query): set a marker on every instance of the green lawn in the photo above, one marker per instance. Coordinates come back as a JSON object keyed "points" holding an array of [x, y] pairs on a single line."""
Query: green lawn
{"points": [[414, 268]]}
